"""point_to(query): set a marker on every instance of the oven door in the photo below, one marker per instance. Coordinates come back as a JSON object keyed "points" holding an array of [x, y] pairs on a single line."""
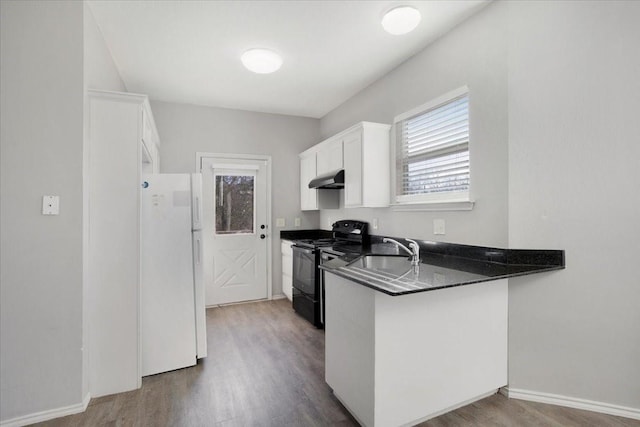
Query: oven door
{"points": [[306, 307], [304, 270]]}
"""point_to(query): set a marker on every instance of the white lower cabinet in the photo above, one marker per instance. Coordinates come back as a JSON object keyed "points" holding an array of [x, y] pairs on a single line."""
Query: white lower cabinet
{"points": [[287, 269], [400, 360]]}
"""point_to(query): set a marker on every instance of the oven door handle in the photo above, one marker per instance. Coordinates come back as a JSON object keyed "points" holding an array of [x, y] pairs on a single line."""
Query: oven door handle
{"points": [[328, 257], [321, 298], [301, 249]]}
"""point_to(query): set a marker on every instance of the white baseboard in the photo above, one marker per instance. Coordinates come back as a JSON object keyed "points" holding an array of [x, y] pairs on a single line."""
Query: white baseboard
{"points": [[48, 414], [278, 296], [571, 402]]}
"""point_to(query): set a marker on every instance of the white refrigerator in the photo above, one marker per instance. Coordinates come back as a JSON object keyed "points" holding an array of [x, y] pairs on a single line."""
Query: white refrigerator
{"points": [[173, 321]]}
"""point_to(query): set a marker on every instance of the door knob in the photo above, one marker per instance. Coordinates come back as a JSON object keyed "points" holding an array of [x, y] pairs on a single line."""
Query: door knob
{"points": [[263, 226], [262, 236]]}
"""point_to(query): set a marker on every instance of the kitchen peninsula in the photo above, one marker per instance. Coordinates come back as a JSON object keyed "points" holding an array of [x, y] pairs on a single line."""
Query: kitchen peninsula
{"points": [[406, 343]]}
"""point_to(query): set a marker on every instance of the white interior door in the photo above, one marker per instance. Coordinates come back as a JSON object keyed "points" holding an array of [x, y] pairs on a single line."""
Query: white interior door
{"points": [[235, 202]]}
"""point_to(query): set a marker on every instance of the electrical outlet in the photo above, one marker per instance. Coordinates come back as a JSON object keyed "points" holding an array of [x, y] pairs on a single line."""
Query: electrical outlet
{"points": [[280, 222], [374, 223], [438, 226], [329, 222], [297, 222], [50, 205]]}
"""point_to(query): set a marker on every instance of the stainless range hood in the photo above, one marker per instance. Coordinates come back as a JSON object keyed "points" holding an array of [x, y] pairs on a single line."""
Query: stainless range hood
{"points": [[332, 180]]}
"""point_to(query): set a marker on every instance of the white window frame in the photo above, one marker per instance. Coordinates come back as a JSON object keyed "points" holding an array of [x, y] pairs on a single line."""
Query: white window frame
{"points": [[460, 200], [241, 170]]}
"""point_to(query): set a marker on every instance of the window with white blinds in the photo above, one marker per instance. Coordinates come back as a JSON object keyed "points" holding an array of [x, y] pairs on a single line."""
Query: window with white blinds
{"points": [[432, 151]]}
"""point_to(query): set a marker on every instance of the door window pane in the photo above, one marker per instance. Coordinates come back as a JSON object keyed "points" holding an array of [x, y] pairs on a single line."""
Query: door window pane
{"points": [[234, 204]]}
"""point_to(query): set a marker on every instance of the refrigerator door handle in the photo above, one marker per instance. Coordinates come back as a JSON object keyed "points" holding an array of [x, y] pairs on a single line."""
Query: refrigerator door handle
{"points": [[197, 210], [198, 251]]}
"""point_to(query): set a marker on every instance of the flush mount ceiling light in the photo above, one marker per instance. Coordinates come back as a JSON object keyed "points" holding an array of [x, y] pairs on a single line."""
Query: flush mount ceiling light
{"points": [[401, 20], [261, 61]]}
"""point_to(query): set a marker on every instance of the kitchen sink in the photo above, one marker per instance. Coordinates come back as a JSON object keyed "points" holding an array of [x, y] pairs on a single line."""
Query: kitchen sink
{"points": [[393, 264], [395, 272]]}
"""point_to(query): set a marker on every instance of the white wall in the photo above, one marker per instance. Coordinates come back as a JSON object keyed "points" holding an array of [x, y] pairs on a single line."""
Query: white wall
{"points": [[51, 51], [41, 256], [187, 129], [474, 54], [100, 71], [574, 157]]}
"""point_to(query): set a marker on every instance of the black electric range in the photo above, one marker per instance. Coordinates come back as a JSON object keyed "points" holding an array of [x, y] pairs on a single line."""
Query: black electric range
{"points": [[349, 236]]}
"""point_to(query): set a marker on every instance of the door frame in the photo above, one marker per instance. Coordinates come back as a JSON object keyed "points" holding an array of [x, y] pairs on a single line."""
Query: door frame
{"points": [[198, 167]]}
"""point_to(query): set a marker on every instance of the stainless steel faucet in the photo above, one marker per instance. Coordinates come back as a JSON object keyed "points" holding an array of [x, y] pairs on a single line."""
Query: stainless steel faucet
{"points": [[414, 251]]}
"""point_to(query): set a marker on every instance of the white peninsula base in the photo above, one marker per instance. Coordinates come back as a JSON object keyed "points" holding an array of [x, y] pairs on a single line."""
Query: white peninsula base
{"points": [[400, 360]]}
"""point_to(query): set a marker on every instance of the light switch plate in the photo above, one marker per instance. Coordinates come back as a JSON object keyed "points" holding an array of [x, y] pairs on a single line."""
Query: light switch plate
{"points": [[50, 205], [280, 222], [374, 223], [438, 226]]}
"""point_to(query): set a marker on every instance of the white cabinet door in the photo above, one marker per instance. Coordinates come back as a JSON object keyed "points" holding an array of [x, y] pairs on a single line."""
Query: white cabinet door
{"points": [[308, 196], [329, 157], [353, 169], [376, 168], [366, 166]]}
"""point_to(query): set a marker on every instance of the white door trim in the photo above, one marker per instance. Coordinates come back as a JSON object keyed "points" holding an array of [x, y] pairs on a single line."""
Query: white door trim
{"points": [[198, 168]]}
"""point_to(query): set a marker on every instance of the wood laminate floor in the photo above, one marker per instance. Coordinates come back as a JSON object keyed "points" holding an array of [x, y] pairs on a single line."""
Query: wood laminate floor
{"points": [[266, 368]]}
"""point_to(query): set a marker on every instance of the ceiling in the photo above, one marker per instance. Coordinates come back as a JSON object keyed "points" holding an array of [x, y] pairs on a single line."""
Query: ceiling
{"points": [[189, 51]]}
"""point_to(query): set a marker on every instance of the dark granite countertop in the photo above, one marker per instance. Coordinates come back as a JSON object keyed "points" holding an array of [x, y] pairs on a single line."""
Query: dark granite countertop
{"points": [[443, 265]]}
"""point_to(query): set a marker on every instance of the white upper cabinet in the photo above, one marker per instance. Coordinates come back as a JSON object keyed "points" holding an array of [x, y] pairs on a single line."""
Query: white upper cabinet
{"points": [[310, 198], [353, 169], [150, 152], [329, 156], [363, 152], [367, 166]]}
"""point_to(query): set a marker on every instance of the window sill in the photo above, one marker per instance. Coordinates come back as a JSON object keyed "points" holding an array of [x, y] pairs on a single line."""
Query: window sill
{"points": [[465, 205]]}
